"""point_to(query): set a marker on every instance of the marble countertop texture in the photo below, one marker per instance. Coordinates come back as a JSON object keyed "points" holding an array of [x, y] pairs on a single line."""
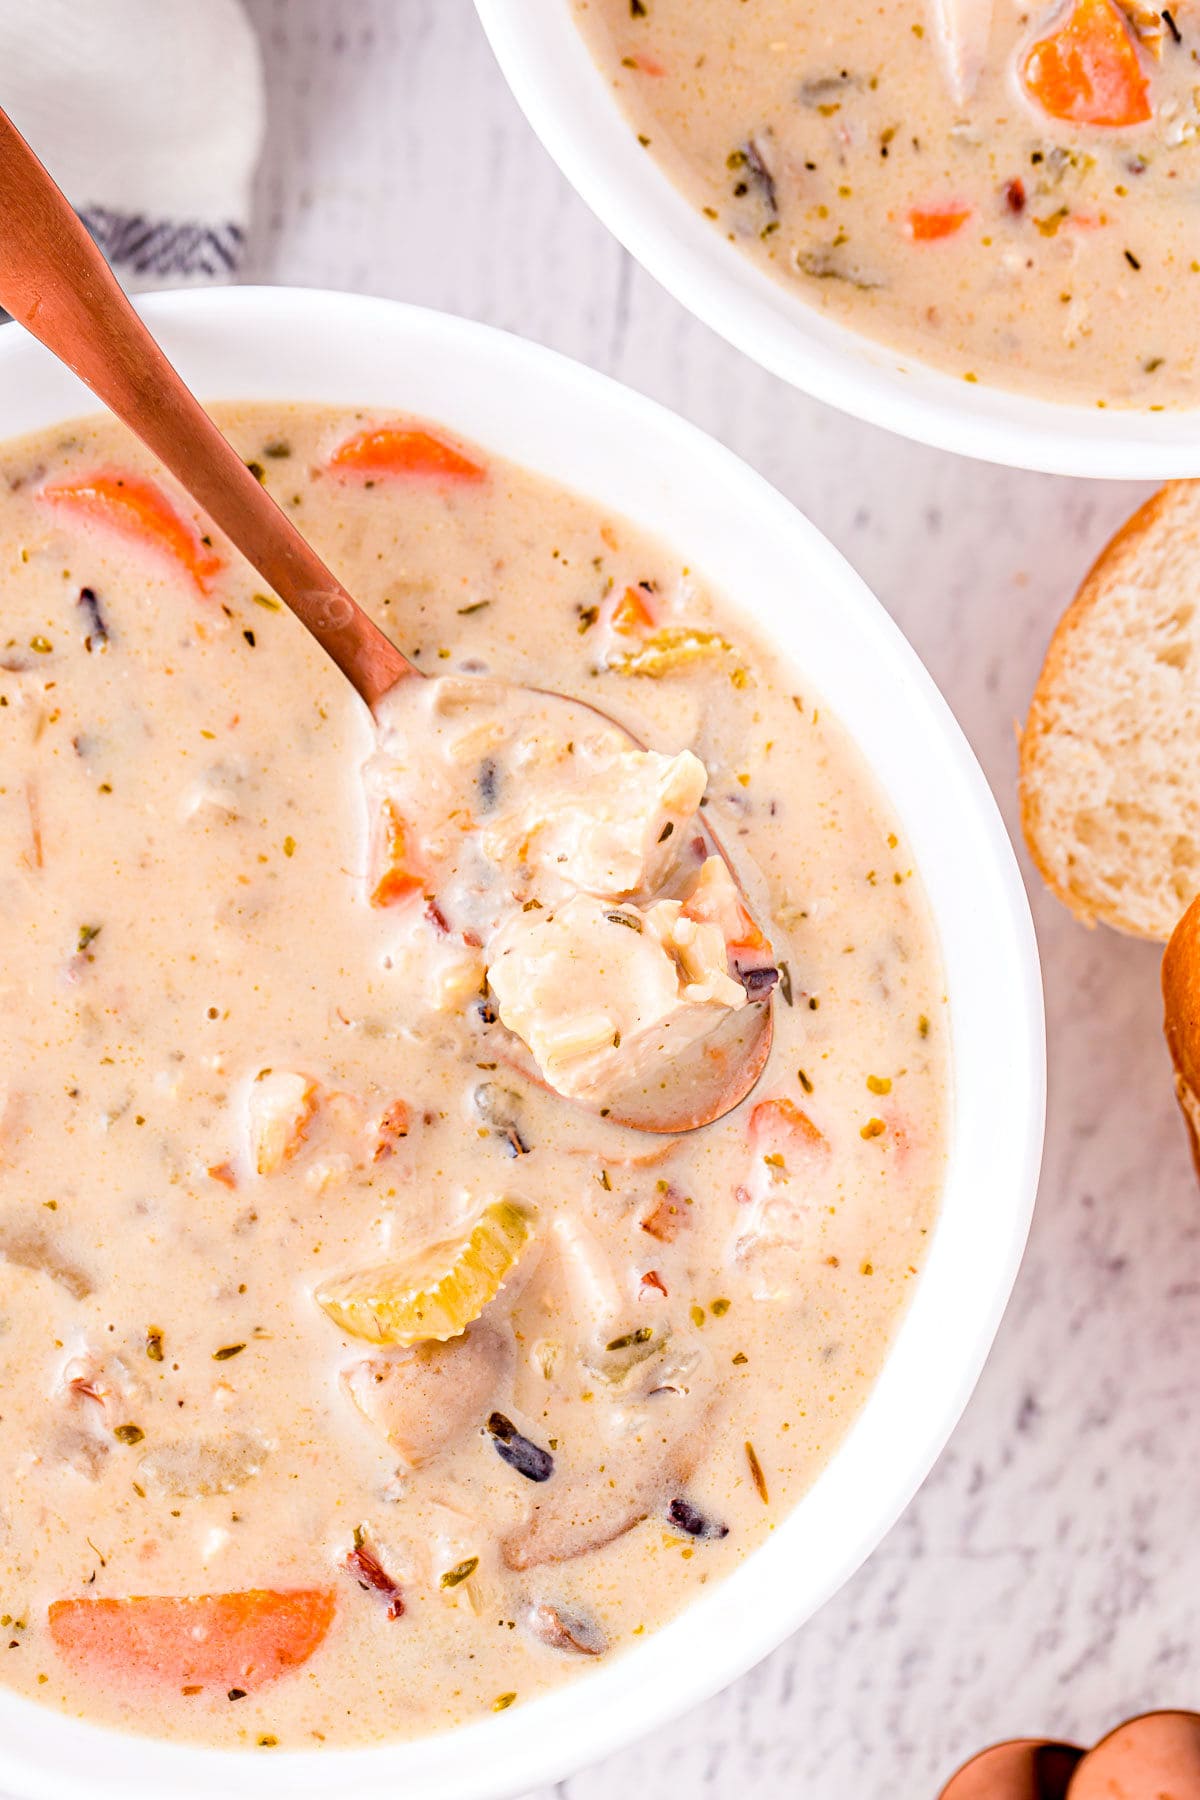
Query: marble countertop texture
{"points": [[1045, 1580]]}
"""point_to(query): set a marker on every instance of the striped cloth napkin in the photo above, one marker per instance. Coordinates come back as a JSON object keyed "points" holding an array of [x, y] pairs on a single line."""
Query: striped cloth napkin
{"points": [[149, 114]]}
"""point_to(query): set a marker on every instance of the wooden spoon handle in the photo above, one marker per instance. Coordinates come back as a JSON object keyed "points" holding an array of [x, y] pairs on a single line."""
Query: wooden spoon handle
{"points": [[54, 280]]}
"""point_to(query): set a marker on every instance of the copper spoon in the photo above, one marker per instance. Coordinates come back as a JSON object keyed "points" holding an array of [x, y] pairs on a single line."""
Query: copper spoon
{"points": [[55, 282], [1023, 1769], [1154, 1757]]}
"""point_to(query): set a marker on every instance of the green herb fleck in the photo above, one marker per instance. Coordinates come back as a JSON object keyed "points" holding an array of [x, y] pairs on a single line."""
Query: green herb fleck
{"points": [[642, 1335], [129, 1434], [460, 1572], [223, 1355], [626, 919]]}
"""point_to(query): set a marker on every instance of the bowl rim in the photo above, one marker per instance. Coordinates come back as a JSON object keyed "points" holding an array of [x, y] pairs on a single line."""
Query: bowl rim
{"points": [[570, 107], [644, 461]]}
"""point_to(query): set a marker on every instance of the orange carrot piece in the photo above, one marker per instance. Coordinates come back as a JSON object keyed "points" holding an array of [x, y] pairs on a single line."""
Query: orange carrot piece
{"points": [[139, 509], [398, 880], [716, 901], [668, 1216], [631, 615], [393, 1128], [1089, 71], [787, 1127], [404, 450], [241, 1640], [926, 224]]}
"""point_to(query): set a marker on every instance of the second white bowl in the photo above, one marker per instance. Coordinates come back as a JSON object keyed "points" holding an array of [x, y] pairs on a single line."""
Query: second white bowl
{"points": [[572, 108]]}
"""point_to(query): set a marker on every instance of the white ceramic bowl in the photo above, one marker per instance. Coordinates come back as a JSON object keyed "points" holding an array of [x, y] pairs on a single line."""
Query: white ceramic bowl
{"points": [[635, 458], [574, 112]]}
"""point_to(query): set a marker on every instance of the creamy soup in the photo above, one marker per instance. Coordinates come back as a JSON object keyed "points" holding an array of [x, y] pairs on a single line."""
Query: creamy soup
{"points": [[356, 1382], [1008, 191]]}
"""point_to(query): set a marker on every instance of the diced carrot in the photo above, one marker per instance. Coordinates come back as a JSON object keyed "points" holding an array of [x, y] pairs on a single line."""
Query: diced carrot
{"points": [[925, 224], [241, 1640], [631, 614], [715, 901], [668, 1216], [223, 1172], [652, 1279], [787, 1127], [392, 1128], [138, 509], [1089, 71], [398, 880], [404, 450], [649, 65]]}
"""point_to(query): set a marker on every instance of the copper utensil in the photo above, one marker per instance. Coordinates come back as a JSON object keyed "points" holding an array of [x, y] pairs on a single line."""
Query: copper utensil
{"points": [[1023, 1769], [1154, 1757], [56, 283]]}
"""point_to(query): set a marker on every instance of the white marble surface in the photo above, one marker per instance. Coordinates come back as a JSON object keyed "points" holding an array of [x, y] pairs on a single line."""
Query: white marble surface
{"points": [[1045, 1580]]}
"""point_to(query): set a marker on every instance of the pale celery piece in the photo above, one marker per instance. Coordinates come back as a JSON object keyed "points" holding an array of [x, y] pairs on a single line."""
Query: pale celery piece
{"points": [[439, 1292]]}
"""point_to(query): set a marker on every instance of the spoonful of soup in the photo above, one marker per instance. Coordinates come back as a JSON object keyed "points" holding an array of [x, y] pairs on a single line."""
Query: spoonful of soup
{"points": [[557, 876]]}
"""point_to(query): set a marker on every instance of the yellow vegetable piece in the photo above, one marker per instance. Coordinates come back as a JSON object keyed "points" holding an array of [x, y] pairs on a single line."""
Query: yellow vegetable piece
{"points": [[673, 648], [440, 1291]]}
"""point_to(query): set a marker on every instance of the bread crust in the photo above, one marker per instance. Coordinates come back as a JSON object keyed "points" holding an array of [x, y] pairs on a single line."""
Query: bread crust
{"points": [[1123, 550], [1181, 1017]]}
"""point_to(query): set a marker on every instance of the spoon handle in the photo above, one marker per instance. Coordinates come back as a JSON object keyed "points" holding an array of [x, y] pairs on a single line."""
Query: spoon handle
{"points": [[55, 282]]}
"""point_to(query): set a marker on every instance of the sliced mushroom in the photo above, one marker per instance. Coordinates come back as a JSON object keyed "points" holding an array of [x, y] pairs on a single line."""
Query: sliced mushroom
{"points": [[575, 1518], [581, 1513], [424, 1399], [562, 1630], [28, 1248], [192, 1467]]}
